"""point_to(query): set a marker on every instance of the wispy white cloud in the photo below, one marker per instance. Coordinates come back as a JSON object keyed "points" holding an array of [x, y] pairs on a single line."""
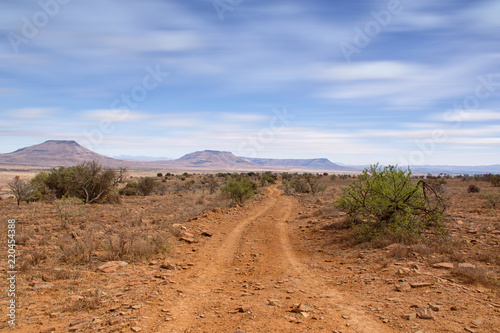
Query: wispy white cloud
{"points": [[32, 113], [470, 116], [376, 70], [114, 115]]}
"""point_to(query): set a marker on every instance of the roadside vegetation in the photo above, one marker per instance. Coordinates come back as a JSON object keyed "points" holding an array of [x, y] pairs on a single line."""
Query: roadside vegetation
{"points": [[87, 214], [385, 202]]}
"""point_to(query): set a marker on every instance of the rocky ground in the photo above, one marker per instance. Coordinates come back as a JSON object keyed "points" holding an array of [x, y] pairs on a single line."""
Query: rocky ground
{"points": [[281, 263]]}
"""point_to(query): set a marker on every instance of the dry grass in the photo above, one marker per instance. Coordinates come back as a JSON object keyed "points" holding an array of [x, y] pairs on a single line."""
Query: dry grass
{"points": [[479, 275]]}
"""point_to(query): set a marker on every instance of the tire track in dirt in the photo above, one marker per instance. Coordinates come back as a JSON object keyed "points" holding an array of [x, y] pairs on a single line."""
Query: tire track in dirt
{"points": [[253, 264]]}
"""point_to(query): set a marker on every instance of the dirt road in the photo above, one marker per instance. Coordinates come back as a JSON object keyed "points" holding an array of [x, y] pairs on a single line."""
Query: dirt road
{"points": [[249, 278]]}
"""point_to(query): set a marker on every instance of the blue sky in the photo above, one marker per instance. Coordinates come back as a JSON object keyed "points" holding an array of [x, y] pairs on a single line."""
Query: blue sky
{"points": [[358, 82]]}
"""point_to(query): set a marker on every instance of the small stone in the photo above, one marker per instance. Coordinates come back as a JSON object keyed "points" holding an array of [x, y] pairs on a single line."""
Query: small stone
{"points": [[167, 264], [425, 314], [136, 329], [409, 316], [47, 329], [293, 319], [466, 266], [414, 266], [477, 322], [403, 287], [206, 234], [273, 302], [444, 265], [420, 284], [217, 210], [77, 328], [242, 309], [111, 266], [114, 321], [299, 308], [38, 286], [188, 240], [470, 330], [434, 307], [77, 322], [114, 308]]}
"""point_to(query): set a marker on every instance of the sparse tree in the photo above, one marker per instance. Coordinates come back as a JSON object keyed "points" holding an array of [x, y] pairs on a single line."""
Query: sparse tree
{"points": [[314, 182], [21, 189], [213, 185]]}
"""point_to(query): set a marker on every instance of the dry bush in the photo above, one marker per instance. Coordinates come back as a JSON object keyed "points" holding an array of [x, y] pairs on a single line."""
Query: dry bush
{"points": [[491, 257], [135, 246], [22, 239], [478, 275], [64, 274], [492, 199], [473, 189], [78, 250], [400, 251], [31, 259], [92, 301], [422, 248]]}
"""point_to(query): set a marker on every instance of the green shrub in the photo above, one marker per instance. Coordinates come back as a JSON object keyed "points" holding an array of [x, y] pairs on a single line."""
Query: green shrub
{"points": [[40, 189], [495, 180], [473, 189], [146, 185], [385, 202], [88, 181], [240, 189], [131, 189], [287, 185], [299, 186], [268, 178]]}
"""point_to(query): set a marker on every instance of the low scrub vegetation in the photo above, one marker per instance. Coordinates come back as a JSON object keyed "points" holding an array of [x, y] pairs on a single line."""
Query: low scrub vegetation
{"points": [[240, 189], [89, 182], [386, 202]]}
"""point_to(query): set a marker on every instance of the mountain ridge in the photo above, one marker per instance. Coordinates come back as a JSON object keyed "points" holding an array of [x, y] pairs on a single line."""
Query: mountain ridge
{"points": [[54, 153]]}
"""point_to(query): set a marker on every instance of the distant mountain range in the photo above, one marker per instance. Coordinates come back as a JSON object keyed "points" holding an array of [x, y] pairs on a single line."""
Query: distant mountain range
{"points": [[141, 158], [54, 153]]}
